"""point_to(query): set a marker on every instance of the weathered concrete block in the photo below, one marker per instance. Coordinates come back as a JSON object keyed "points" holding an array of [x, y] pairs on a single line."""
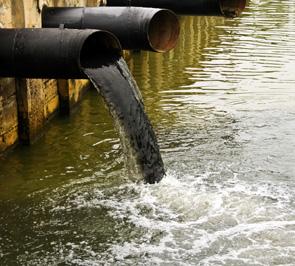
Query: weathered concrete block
{"points": [[7, 88], [11, 13], [77, 89], [51, 107], [9, 127], [30, 97], [71, 92], [9, 139], [50, 88], [9, 115]]}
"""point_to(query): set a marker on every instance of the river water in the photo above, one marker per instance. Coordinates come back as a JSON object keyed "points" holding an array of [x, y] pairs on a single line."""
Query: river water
{"points": [[223, 107]]}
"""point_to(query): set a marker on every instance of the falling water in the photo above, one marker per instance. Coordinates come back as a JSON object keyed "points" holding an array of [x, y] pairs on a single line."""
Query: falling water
{"points": [[121, 94]]}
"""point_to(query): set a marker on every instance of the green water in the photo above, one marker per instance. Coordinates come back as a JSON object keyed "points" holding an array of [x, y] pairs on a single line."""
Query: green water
{"points": [[223, 107]]}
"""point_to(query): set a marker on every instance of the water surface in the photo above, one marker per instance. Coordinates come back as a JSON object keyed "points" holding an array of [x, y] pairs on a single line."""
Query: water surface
{"points": [[222, 105]]}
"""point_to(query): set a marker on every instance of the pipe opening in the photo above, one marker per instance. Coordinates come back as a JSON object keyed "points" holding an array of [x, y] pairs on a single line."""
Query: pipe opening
{"points": [[163, 31], [99, 49], [232, 8]]}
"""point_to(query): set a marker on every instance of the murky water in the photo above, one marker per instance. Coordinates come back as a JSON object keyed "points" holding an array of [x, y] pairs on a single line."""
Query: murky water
{"points": [[222, 104]]}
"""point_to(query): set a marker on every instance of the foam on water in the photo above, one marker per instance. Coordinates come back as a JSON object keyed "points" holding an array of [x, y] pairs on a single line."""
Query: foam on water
{"points": [[237, 219], [190, 223]]}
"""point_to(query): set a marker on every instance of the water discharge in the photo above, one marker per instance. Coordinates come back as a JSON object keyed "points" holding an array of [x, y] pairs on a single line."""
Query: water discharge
{"points": [[121, 94], [223, 106]]}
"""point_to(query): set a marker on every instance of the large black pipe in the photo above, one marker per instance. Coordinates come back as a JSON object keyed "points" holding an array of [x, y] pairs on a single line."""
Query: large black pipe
{"points": [[228, 8], [136, 28], [52, 53]]}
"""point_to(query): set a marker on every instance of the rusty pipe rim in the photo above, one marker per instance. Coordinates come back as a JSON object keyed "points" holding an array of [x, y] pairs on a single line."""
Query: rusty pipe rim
{"points": [[232, 8], [163, 31]]}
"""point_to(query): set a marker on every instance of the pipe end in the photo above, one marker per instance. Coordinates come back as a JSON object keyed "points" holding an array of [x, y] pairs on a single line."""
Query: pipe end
{"points": [[98, 49], [163, 31]]}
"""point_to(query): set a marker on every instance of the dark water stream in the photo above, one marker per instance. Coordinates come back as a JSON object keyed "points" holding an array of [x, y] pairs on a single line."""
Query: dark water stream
{"points": [[223, 108], [119, 90]]}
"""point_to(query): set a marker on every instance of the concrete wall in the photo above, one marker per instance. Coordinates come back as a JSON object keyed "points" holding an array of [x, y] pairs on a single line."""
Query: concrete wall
{"points": [[27, 104]]}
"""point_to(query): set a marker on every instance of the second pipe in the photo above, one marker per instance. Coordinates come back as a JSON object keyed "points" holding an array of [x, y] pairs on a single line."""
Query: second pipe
{"points": [[136, 28]]}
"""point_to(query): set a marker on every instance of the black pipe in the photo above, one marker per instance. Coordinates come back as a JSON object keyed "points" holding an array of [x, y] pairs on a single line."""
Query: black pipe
{"points": [[136, 28], [228, 8], [52, 53]]}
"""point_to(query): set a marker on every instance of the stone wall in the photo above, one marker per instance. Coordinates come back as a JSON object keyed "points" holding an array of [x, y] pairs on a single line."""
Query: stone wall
{"points": [[27, 104]]}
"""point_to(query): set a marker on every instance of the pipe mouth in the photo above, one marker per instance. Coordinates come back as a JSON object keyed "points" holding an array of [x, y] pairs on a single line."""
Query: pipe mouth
{"points": [[232, 8], [100, 48], [163, 31]]}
